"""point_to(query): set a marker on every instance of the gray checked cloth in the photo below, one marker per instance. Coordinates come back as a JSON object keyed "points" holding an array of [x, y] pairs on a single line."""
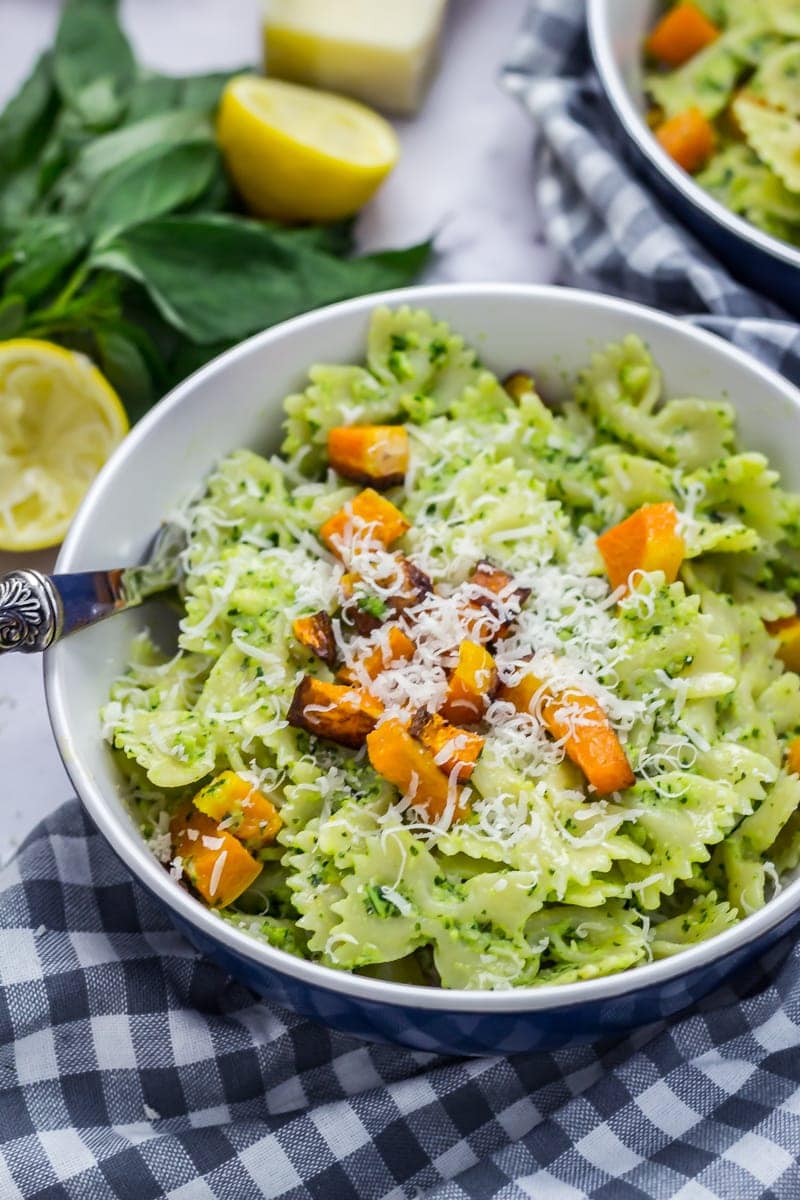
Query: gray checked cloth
{"points": [[132, 1068]]}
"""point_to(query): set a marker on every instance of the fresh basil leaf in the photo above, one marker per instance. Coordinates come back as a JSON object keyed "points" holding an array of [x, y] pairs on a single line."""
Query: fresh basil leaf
{"points": [[19, 196], [125, 367], [152, 94], [189, 357], [25, 125], [67, 137], [43, 249], [26, 120], [218, 196], [93, 63], [76, 187], [204, 92], [221, 277], [12, 315], [149, 185], [90, 305], [390, 268], [157, 340], [336, 238]]}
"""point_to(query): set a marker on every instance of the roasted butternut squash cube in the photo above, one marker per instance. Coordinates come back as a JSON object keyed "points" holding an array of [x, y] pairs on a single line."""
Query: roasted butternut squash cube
{"points": [[374, 454], [648, 540], [406, 763], [335, 711], [453, 749], [580, 721], [364, 611], [412, 587], [403, 586], [491, 578], [793, 757], [397, 647], [680, 34], [368, 515], [471, 686], [248, 814], [787, 633], [519, 384], [316, 634], [689, 139], [216, 864], [492, 581]]}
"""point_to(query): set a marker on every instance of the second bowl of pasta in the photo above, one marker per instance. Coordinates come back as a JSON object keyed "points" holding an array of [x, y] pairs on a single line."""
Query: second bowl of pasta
{"points": [[707, 92]]}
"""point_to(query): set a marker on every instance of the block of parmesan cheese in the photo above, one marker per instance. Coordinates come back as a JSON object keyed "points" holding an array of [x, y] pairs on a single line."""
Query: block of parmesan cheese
{"points": [[379, 51]]}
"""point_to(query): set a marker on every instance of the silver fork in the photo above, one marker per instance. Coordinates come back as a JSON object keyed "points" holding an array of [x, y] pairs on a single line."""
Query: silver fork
{"points": [[36, 610]]}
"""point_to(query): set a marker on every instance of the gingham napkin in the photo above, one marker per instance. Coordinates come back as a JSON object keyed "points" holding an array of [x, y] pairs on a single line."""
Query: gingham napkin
{"points": [[132, 1068]]}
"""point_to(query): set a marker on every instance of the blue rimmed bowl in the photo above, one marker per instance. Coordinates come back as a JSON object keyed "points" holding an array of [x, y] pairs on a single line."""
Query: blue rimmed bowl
{"points": [[236, 401], [617, 31]]}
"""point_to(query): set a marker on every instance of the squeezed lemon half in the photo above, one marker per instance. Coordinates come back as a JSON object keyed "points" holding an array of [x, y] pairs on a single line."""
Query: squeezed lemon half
{"points": [[59, 421], [301, 155]]}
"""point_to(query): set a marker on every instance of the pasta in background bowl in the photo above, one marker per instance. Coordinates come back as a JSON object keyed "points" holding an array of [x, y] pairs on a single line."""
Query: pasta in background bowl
{"points": [[685, 672], [732, 106]]}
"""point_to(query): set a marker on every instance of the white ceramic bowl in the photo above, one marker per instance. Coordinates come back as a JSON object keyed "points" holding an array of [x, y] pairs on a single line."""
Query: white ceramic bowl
{"points": [[617, 31], [236, 401]]}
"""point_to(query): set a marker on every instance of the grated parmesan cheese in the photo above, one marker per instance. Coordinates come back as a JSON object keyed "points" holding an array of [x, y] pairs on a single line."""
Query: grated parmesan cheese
{"points": [[160, 840], [394, 897], [219, 867]]}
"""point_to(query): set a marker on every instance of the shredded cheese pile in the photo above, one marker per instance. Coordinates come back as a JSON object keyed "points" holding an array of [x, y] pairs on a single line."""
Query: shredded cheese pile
{"points": [[568, 608]]}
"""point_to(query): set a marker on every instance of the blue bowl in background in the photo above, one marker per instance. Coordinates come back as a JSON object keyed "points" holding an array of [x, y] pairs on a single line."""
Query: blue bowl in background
{"points": [[617, 31], [236, 401]]}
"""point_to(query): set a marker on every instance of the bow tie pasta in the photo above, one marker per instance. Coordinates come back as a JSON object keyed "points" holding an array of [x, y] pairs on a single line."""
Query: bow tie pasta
{"points": [[473, 691]]}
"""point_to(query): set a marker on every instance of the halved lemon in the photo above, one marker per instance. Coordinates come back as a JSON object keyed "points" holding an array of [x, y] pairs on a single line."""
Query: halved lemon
{"points": [[301, 155], [59, 421]]}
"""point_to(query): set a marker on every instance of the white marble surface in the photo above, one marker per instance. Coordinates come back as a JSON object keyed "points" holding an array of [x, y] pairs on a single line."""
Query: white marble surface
{"points": [[465, 174]]}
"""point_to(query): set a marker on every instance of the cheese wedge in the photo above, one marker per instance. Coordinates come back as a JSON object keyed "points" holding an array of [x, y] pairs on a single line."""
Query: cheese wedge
{"points": [[380, 51]]}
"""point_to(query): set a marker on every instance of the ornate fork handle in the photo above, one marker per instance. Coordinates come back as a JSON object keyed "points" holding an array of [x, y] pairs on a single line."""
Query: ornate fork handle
{"points": [[37, 609], [30, 611]]}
